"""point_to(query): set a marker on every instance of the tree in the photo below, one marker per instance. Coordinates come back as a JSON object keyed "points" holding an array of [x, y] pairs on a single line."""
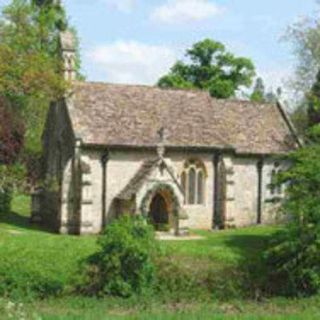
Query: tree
{"points": [[29, 66], [52, 14], [313, 101], [211, 68], [304, 36], [31, 69], [11, 134], [294, 258], [300, 119], [258, 94]]}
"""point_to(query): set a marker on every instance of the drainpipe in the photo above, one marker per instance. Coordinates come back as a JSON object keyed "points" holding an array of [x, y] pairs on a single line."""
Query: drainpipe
{"points": [[104, 161], [215, 220], [260, 165]]}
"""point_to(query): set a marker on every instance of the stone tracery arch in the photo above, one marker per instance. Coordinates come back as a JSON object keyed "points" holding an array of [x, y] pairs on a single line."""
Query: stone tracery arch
{"points": [[193, 181], [170, 197]]}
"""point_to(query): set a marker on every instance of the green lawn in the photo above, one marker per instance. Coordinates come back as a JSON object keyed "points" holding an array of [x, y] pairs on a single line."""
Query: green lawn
{"points": [[28, 253]]}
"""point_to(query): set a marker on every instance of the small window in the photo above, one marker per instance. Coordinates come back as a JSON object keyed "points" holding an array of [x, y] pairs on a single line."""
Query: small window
{"points": [[275, 188], [200, 188], [184, 182], [272, 185]]}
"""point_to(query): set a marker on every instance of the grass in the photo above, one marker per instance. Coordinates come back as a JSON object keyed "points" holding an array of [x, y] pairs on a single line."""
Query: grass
{"points": [[93, 309], [26, 250]]}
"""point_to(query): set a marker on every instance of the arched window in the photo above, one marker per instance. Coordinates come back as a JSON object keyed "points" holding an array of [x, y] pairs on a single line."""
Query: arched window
{"points": [[184, 182], [272, 185], [192, 186], [193, 179], [200, 190]]}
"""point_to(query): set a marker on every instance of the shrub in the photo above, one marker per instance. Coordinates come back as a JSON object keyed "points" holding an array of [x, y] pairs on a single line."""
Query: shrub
{"points": [[124, 264], [293, 258]]}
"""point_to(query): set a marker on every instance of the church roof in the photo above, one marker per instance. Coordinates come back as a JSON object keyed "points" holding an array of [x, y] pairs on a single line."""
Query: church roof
{"points": [[131, 116]]}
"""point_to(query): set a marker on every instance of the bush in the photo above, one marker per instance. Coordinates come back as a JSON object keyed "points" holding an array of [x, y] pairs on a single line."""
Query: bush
{"points": [[293, 258], [124, 264]]}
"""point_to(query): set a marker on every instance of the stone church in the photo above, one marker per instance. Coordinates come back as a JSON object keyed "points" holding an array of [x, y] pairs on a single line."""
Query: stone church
{"points": [[180, 158]]}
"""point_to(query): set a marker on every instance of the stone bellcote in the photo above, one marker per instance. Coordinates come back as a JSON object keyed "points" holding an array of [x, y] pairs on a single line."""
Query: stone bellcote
{"points": [[68, 54]]}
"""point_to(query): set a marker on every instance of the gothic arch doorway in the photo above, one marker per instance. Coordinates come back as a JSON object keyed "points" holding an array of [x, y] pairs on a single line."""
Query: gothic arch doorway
{"points": [[161, 205], [159, 214]]}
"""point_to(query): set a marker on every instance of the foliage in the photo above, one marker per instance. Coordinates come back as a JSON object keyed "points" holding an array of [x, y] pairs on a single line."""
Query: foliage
{"points": [[124, 264], [11, 178], [304, 35], [260, 95], [5, 200], [313, 101], [211, 68], [29, 64], [300, 119], [294, 256], [31, 70], [11, 134]]}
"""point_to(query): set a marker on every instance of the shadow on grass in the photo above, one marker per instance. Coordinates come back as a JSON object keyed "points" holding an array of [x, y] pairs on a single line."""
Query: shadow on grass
{"points": [[251, 249], [21, 221]]}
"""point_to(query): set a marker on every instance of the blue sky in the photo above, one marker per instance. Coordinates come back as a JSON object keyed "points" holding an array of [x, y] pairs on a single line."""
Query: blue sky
{"points": [[136, 41]]}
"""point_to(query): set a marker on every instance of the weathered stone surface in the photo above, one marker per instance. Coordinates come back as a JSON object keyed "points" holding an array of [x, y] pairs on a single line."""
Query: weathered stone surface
{"points": [[119, 120]]}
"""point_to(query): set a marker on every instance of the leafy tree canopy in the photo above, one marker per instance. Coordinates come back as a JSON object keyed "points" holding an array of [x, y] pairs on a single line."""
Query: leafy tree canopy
{"points": [[313, 101], [304, 36], [211, 68], [29, 62], [30, 66]]}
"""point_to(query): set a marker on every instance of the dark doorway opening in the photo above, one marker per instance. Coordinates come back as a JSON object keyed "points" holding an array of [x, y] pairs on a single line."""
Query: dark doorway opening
{"points": [[159, 215]]}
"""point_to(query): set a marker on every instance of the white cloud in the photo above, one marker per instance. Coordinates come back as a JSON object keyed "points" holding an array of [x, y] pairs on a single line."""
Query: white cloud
{"points": [[185, 11], [121, 5], [131, 62]]}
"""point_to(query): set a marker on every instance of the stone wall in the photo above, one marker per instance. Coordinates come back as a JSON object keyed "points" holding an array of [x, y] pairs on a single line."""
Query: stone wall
{"points": [[121, 167], [58, 146]]}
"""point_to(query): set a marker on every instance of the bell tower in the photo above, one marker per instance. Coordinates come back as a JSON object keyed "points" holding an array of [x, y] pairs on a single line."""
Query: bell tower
{"points": [[68, 54]]}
